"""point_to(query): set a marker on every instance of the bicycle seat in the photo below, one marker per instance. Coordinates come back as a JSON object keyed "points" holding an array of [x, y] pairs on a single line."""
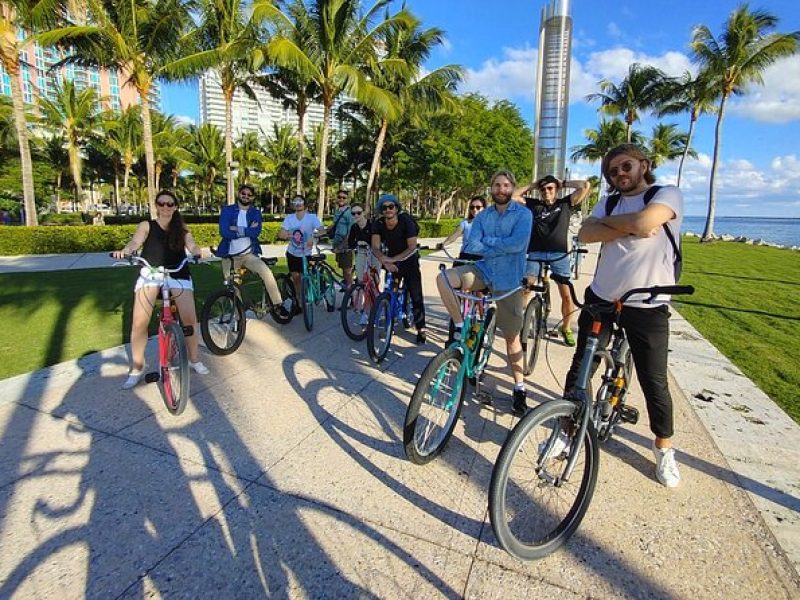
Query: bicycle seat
{"points": [[316, 258], [270, 262]]}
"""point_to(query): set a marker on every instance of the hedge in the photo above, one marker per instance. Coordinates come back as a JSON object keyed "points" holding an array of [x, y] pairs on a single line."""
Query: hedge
{"points": [[63, 239]]}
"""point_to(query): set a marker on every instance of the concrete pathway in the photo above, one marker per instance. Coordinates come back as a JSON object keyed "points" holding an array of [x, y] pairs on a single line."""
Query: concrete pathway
{"points": [[286, 477]]}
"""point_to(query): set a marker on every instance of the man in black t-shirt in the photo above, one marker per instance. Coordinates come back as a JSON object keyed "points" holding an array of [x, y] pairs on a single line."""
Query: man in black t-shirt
{"points": [[397, 233], [549, 237]]}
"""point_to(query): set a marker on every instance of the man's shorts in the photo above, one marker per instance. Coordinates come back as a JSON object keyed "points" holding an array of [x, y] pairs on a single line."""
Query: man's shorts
{"points": [[559, 263], [344, 259], [295, 263], [510, 310]]}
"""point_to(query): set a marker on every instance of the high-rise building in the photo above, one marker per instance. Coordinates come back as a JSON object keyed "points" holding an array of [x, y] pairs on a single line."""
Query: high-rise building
{"points": [[257, 116], [38, 78], [552, 90]]}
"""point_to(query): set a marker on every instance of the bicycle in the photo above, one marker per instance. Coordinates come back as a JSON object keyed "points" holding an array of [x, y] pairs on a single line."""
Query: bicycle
{"points": [[173, 357], [223, 318], [360, 297], [317, 283], [537, 312], [439, 394], [390, 305], [552, 453]]}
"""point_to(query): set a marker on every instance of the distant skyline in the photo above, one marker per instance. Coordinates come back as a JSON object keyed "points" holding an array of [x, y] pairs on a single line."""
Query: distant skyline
{"points": [[497, 45]]}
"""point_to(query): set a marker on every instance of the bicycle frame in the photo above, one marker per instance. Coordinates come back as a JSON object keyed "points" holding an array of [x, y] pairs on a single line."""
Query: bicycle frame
{"points": [[398, 297]]}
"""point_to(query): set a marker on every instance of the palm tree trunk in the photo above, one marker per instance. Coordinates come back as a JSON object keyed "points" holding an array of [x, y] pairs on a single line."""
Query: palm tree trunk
{"points": [[229, 146], [376, 161], [149, 156], [708, 232], [28, 197], [323, 157], [301, 146], [692, 121], [75, 167], [116, 189]]}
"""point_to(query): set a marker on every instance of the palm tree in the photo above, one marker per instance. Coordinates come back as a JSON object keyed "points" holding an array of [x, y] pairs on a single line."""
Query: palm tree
{"points": [[341, 43], [73, 115], [746, 47], [23, 16], [667, 143], [55, 153], [280, 151], [409, 47], [8, 132], [226, 39], [123, 133], [250, 157], [691, 94], [640, 90], [208, 158], [140, 38]]}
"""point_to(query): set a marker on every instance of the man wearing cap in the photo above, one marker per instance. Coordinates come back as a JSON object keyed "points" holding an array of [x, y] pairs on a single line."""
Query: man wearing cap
{"points": [[299, 229], [394, 244]]}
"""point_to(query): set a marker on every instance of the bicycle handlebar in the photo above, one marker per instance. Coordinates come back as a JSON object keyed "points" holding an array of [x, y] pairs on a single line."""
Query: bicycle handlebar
{"points": [[565, 255], [489, 297], [653, 292], [134, 259]]}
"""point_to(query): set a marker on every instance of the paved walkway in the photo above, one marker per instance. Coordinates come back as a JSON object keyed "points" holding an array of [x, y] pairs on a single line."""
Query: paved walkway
{"points": [[285, 477]]}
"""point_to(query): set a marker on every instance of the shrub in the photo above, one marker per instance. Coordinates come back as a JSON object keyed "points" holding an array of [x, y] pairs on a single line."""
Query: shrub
{"points": [[62, 219]]}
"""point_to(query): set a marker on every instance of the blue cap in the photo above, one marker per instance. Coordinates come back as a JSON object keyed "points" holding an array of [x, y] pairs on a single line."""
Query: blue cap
{"points": [[387, 198]]}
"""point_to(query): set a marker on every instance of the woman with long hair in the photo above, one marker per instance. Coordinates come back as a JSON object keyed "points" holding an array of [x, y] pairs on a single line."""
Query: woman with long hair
{"points": [[164, 241]]}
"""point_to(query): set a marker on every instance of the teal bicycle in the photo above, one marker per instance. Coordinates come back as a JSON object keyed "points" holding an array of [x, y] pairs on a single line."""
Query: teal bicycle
{"points": [[317, 283], [436, 402]]}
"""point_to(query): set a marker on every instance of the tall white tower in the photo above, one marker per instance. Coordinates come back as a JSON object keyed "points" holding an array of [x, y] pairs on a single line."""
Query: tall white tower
{"points": [[552, 90]]}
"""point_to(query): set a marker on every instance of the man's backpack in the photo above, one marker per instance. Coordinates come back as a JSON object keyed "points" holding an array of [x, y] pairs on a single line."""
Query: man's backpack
{"points": [[677, 265]]}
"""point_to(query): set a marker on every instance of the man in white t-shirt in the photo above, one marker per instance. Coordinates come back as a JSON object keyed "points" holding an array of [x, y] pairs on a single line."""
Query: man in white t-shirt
{"points": [[299, 229], [636, 253]]}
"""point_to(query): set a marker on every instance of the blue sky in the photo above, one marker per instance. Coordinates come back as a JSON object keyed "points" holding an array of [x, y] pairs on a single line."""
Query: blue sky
{"points": [[496, 42]]}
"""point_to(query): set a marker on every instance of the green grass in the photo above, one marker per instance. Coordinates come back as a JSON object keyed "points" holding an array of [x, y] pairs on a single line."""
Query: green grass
{"points": [[745, 304]]}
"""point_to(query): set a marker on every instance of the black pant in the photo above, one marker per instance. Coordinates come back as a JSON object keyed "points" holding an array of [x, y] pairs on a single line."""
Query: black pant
{"points": [[647, 330], [408, 271]]}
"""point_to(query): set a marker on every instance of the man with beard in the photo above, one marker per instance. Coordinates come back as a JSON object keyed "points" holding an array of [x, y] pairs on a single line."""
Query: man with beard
{"points": [[240, 225], [500, 234], [636, 252]]}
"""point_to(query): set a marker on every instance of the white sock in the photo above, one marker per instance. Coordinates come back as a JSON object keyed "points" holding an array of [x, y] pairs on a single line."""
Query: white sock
{"points": [[520, 386]]}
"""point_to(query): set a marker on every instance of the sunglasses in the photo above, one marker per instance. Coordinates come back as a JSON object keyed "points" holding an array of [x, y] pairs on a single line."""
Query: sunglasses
{"points": [[388, 207], [356, 212], [476, 207], [167, 204], [548, 188], [625, 167]]}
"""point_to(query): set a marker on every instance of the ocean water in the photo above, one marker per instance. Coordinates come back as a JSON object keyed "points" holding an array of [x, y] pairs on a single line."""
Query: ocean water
{"points": [[785, 232]]}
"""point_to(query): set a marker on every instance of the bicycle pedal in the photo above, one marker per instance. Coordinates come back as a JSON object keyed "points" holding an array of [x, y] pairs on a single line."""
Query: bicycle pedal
{"points": [[188, 330], [629, 414], [552, 333], [152, 377]]}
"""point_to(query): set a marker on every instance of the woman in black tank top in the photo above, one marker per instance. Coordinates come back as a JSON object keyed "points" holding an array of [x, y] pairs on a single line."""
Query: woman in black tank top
{"points": [[163, 242]]}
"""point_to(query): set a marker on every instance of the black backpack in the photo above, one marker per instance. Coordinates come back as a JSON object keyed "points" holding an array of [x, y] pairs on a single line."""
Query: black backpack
{"points": [[677, 265]]}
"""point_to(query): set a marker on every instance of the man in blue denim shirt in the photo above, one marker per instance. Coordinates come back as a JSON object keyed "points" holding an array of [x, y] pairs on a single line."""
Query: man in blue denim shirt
{"points": [[500, 234]]}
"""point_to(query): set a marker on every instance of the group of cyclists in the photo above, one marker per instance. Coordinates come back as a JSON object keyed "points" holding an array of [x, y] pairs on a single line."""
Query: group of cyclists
{"points": [[502, 243]]}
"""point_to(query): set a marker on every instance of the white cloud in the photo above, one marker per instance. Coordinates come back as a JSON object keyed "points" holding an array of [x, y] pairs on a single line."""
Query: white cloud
{"points": [[185, 120], [613, 30], [778, 100], [514, 75]]}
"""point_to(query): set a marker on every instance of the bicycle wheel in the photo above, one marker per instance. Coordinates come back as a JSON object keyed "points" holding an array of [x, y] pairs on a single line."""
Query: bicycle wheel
{"points": [[223, 322], [308, 302], [283, 282], [533, 325], [355, 312], [533, 509], [380, 328], [486, 340], [434, 407], [327, 284], [173, 382]]}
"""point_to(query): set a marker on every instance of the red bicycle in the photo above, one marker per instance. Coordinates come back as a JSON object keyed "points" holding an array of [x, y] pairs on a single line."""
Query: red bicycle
{"points": [[359, 298], [173, 357]]}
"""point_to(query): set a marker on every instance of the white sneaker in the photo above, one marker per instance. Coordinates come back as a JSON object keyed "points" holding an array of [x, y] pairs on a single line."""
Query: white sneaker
{"points": [[666, 467], [134, 377], [199, 368], [560, 446]]}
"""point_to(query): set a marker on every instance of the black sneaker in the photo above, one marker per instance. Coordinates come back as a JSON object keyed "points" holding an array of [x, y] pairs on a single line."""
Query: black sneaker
{"points": [[281, 311], [518, 405], [422, 336]]}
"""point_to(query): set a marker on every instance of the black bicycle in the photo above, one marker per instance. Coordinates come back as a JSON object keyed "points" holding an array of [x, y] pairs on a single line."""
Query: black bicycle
{"points": [[545, 475], [534, 323], [223, 318]]}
